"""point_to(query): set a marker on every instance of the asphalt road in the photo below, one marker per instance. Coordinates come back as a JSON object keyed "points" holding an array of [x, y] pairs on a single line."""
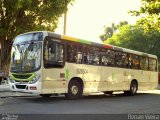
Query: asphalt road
{"points": [[143, 103]]}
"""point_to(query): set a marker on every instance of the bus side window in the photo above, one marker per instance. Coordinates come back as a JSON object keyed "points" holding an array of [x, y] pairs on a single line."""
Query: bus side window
{"points": [[144, 63], [79, 54], [152, 64], [129, 61], [104, 58], [86, 55], [125, 60], [107, 57], [96, 56], [85, 61], [118, 59], [93, 56], [135, 62], [71, 52]]}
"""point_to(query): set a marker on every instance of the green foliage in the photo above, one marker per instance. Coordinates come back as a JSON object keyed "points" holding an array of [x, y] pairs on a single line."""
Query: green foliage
{"points": [[136, 38], [19, 16], [109, 31], [145, 35], [149, 13]]}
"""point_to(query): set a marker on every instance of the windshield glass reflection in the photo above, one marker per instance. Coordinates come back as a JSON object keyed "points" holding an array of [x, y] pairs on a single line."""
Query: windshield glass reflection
{"points": [[25, 57]]}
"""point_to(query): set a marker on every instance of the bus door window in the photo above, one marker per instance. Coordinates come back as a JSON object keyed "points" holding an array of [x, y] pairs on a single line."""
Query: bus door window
{"points": [[59, 54], [53, 54], [52, 51]]}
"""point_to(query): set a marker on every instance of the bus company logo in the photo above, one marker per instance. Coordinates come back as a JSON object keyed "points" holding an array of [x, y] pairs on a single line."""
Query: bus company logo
{"points": [[82, 71]]}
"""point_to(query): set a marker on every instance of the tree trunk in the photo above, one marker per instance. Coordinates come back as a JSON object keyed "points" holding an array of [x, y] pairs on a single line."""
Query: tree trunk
{"points": [[5, 55]]}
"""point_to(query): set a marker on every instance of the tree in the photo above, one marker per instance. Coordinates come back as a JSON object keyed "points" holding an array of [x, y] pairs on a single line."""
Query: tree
{"points": [[149, 13], [19, 16], [136, 38], [109, 31]]}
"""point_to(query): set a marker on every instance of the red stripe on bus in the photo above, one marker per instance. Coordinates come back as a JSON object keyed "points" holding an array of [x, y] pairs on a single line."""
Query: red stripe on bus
{"points": [[107, 46]]}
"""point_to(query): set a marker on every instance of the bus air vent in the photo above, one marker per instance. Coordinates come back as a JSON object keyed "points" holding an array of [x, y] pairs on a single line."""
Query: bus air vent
{"points": [[26, 76], [21, 86]]}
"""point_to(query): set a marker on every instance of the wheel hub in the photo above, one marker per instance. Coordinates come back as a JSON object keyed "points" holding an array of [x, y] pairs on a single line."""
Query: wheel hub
{"points": [[74, 89], [134, 88]]}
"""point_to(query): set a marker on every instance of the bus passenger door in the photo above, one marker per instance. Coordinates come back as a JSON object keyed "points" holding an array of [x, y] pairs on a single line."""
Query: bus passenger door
{"points": [[54, 71]]}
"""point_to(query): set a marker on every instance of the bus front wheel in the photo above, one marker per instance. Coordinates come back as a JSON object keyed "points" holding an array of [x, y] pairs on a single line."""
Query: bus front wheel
{"points": [[75, 90]]}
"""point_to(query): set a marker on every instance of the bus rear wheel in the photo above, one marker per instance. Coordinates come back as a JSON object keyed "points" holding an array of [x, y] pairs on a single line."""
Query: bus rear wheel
{"points": [[133, 89], [75, 90]]}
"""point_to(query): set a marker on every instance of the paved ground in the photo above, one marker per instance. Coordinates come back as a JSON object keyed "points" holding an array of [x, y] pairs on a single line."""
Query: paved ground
{"points": [[118, 103], [28, 106]]}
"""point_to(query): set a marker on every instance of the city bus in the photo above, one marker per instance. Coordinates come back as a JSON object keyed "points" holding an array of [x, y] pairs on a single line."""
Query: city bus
{"points": [[47, 63]]}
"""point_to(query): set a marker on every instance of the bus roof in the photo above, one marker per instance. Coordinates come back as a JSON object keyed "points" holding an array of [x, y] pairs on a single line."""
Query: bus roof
{"points": [[69, 38]]}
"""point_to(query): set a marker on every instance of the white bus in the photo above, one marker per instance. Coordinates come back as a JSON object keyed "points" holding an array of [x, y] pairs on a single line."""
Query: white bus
{"points": [[48, 63]]}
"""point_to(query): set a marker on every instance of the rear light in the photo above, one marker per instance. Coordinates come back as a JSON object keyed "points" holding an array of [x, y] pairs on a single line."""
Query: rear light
{"points": [[33, 88]]}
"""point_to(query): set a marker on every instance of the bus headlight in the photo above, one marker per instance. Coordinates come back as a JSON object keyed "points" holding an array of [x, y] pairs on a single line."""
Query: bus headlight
{"points": [[35, 79]]}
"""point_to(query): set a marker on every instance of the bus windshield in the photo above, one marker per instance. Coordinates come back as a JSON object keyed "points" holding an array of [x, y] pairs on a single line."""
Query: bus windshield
{"points": [[26, 57]]}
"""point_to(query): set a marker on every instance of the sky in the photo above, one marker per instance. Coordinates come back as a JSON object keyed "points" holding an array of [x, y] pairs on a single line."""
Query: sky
{"points": [[86, 18]]}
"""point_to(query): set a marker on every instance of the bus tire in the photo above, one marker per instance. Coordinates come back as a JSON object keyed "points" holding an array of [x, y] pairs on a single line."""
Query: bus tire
{"points": [[45, 95], [75, 90], [133, 88]]}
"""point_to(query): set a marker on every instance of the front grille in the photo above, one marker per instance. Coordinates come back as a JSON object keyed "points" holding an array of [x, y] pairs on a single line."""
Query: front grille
{"points": [[24, 81], [21, 86], [26, 76]]}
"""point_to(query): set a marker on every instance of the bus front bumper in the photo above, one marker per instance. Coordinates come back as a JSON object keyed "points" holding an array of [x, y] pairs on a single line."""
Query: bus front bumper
{"points": [[26, 88]]}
